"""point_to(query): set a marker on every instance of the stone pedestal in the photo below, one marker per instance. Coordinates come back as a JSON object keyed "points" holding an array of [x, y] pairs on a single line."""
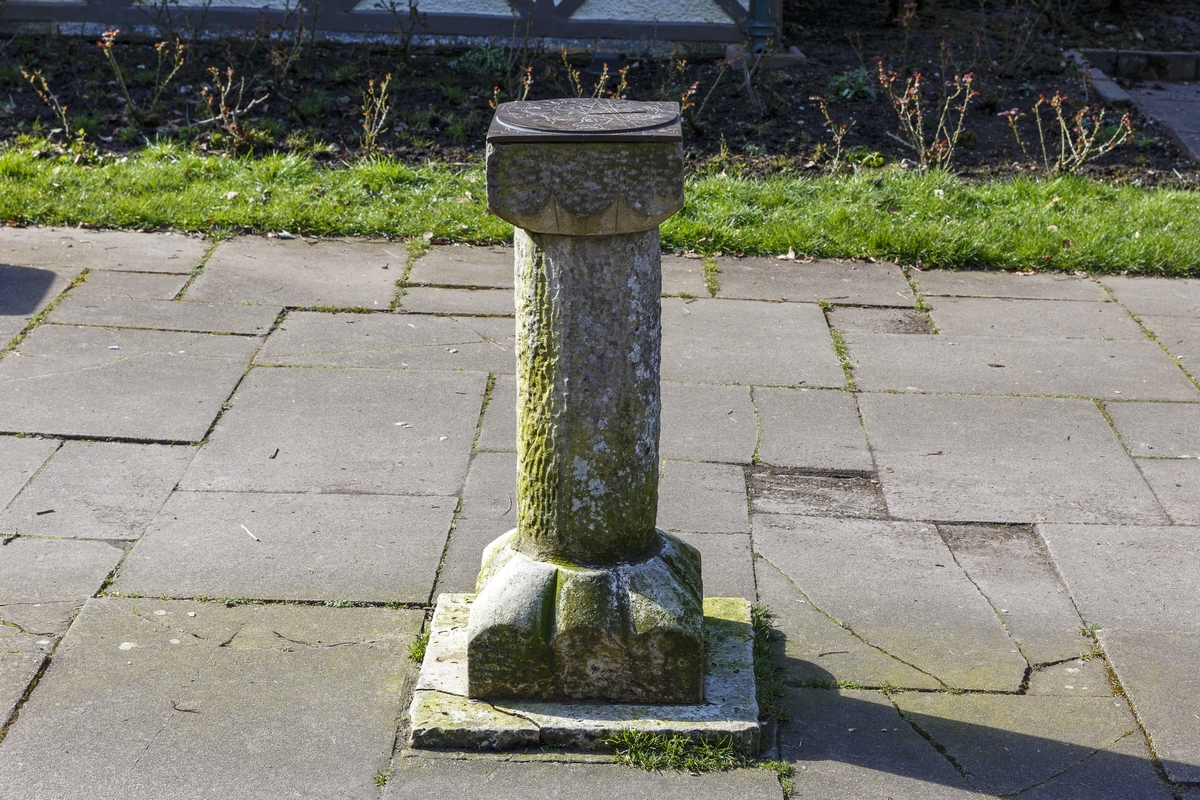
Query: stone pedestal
{"points": [[586, 599]]}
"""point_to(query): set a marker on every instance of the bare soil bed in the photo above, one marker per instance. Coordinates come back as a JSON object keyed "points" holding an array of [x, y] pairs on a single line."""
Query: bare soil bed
{"points": [[439, 102]]}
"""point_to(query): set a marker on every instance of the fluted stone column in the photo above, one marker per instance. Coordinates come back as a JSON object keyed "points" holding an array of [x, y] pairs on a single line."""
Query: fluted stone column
{"points": [[586, 598]]}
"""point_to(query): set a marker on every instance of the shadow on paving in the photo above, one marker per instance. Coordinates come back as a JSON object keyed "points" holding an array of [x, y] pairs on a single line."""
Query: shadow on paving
{"points": [[933, 745], [24, 289]]}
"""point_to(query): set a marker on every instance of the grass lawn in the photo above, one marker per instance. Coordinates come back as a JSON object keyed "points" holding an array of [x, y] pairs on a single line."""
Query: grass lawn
{"points": [[933, 218]]}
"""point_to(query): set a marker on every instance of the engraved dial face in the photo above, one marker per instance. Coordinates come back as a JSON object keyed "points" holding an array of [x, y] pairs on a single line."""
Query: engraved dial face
{"points": [[586, 115]]}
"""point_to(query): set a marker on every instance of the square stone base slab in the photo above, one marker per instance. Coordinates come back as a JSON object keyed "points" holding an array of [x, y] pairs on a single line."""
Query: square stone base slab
{"points": [[442, 716]]}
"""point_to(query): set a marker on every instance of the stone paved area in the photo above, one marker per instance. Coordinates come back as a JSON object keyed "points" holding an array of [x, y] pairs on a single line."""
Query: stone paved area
{"points": [[233, 480]]}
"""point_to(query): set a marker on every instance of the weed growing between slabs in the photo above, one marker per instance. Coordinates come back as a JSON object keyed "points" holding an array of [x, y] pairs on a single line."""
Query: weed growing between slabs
{"points": [[925, 218]]}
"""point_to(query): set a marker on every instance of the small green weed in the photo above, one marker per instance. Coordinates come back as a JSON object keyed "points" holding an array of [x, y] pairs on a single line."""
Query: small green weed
{"points": [[712, 273], [339, 603], [767, 681], [784, 771], [853, 85], [656, 751], [416, 650], [381, 777]]}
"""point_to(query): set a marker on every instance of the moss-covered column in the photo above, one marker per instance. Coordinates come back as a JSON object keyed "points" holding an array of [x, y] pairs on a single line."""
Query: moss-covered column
{"points": [[586, 599], [588, 395]]}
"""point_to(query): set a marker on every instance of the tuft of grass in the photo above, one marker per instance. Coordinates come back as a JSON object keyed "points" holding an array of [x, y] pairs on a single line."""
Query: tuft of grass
{"points": [[1064, 223], [382, 776], [416, 650], [768, 683], [712, 273], [784, 771], [339, 604], [657, 751]]}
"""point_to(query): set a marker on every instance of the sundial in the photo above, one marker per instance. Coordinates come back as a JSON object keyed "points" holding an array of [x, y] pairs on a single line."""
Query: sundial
{"points": [[585, 120]]}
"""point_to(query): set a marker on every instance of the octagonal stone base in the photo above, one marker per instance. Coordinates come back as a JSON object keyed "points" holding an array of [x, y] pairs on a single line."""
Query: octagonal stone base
{"points": [[627, 633], [442, 716]]}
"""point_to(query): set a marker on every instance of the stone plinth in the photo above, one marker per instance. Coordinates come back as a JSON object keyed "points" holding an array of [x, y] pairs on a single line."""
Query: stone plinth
{"points": [[586, 599], [443, 716]]}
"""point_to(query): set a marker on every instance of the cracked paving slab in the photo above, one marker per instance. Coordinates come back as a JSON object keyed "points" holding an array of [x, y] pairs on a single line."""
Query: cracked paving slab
{"points": [[1158, 430], [897, 586], [1015, 573], [791, 436], [327, 430], [853, 744], [1078, 677], [464, 266], [1012, 743], [97, 490], [389, 341], [20, 458], [817, 652], [706, 422], [845, 282], [42, 583], [248, 701], [1033, 319], [135, 384], [1157, 669], [373, 548]]}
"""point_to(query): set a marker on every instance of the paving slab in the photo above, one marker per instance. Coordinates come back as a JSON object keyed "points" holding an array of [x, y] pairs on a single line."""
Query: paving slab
{"points": [[165, 315], [1158, 671], [42, 583], [384, 341], [1075, 678], [817, 652], [1034, 286], [702, 498], [98, 490], [107, 250], [1129, 577], [20, 458], [1119, 772], [491, 779], [879, 320], [466, 266], [895, 584], [776, 491], [298, 273], [853, 743], [811, 429], [49, 570], [707, 422], [355, 431], [102, 382], [726, 563], [1181, 337], [442, 716], [1014, 572], [1162, 430], [24, 292], [683, 276], [470, 302], [1173, 297], [1003, 459], [1011, 743], [132, 285], [364, 548], [743, 341], [499, 430], [1126, 370], [249, 701], [1175, 485], [840, 282], [1033, 319], [488, 511]]}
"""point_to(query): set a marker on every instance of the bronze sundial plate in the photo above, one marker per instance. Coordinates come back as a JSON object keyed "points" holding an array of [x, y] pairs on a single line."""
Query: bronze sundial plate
{"points": [[586, 120]]}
